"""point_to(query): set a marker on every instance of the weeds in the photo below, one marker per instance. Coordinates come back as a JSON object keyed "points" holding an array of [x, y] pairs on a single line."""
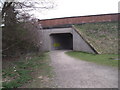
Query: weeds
{"points": [[20, 71]]}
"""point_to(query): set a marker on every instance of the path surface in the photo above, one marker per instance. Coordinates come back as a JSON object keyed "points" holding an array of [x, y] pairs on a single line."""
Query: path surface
{"points": [[73, 73]]}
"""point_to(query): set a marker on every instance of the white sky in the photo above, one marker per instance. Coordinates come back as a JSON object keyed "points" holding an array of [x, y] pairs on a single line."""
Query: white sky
{"points": [[68, 8]]}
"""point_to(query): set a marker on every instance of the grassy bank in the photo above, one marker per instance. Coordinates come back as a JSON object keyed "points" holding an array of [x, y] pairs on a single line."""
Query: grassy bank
{"points": [[103, 36], [18, 72], [103, 59]]}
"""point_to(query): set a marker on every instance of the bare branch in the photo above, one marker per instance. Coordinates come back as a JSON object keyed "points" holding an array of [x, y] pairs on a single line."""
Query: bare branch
{"points": [[1, 2], [10, 46]]}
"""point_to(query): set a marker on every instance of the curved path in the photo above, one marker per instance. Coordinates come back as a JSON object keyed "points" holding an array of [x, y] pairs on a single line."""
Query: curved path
{"points": [[73, 73]]}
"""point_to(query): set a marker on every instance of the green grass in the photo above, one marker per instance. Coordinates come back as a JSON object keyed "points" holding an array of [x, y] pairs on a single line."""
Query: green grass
{"points": [[103, 59], [103, 36], [20, 71]]}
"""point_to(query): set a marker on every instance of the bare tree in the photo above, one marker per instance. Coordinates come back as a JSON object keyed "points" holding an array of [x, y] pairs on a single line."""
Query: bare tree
{"points": [[16, 15], [27, 5]]}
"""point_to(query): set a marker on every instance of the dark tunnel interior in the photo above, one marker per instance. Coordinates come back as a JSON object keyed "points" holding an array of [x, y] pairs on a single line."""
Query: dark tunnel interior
{"points": [[62, 41]]}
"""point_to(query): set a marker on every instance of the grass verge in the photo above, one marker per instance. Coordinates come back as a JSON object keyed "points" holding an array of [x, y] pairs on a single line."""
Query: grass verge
{"points": [[22, 71], [103, 36], [103, 59]]}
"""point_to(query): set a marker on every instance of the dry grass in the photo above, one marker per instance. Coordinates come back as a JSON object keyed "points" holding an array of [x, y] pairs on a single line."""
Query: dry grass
{"points": [[17, 72], [103, 36]]}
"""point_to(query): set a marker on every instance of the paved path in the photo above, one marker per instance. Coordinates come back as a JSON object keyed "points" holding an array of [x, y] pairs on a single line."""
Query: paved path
{"points": [[73, 73]]}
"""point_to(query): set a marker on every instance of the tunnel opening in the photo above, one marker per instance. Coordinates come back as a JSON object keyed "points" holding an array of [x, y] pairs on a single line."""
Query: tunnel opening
{"points": [[61, 41]]}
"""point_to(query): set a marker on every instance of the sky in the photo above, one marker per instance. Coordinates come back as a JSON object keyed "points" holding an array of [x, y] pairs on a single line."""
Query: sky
{"points": [[69, 8]]}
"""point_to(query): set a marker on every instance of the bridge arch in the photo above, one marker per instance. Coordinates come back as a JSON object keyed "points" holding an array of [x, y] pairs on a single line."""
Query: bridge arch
{"points": [[61, 41], [65, 39]]}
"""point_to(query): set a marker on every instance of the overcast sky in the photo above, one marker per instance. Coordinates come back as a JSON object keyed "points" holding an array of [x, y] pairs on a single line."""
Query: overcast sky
{"points": [[68, 8]]}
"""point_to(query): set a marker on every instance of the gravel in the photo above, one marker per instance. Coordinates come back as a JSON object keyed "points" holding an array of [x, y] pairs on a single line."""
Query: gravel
{"points": [[73, 73]]}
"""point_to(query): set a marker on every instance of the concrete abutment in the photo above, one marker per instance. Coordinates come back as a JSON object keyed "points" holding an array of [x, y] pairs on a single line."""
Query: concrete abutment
{"points": [[64, 39]]}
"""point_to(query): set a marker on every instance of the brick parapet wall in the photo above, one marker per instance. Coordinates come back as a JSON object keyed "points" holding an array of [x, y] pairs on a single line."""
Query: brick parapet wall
{"points": [[78, 20]]}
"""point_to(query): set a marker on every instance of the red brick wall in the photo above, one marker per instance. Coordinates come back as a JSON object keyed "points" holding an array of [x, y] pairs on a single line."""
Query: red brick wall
{"points": [[78, 20]]}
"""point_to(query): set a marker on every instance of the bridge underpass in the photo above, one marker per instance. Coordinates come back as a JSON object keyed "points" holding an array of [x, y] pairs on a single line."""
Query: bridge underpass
{"points": [[61, 41], [64, 39]]}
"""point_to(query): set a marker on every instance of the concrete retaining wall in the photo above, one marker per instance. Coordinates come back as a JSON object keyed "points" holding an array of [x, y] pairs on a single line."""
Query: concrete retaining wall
{"points": [[78, 42]]}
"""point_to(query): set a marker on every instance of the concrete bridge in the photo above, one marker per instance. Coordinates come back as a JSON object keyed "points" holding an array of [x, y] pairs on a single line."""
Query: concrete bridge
{"points": [[59, 34], [65, 39]]}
